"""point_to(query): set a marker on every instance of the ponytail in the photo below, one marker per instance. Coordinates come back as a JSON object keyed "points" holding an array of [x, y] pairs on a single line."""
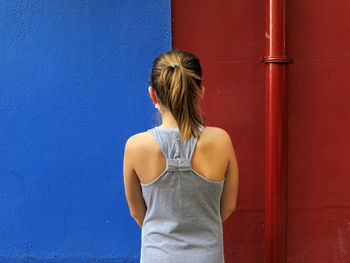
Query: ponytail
{"points": [[176, 78]]}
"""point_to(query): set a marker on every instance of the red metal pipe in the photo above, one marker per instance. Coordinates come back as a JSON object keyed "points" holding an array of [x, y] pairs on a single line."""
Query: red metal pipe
{"points": [[276, 133]]}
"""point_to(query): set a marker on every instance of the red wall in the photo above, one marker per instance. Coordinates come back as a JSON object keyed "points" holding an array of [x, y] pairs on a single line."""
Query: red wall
{"points": [[228, 37], [318, 38]]}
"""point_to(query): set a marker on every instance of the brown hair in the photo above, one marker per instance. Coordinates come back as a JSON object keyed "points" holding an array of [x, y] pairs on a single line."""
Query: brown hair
{"points": [[176, 79]]}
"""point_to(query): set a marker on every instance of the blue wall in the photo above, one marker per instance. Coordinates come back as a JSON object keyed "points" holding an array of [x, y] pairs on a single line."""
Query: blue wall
{"points": [[73, 88]]}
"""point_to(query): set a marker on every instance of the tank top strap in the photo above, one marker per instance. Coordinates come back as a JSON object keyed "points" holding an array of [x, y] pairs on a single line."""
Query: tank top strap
{"points": [[161, 140], [169, 141], [194, 143]]}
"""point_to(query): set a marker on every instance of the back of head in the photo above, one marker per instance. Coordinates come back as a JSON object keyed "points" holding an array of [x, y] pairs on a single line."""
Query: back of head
{"points": [[176, 79]]}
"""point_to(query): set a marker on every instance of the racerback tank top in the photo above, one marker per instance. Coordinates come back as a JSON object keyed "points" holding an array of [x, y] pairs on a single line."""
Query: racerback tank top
{"points": [[183, 221]]}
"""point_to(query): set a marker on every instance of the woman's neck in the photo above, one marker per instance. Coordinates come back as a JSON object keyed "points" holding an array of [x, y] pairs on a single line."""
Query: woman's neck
{"points": [[168, 120]]}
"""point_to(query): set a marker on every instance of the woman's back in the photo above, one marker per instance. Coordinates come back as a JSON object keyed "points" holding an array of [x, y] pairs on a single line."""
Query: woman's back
{"points": [[183, 220], [209, 159]]}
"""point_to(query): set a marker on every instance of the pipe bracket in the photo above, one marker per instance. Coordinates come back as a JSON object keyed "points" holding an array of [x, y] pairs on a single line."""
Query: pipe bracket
{"points": [[272, 59]]}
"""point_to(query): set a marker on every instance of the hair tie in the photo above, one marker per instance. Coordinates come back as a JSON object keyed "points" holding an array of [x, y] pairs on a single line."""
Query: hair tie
{"points": [[176, 64]]}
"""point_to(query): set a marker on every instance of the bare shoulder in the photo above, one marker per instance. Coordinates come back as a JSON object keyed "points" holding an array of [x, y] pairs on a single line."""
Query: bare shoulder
{"points": [[139, 141], [219, 140], [220, 135]]}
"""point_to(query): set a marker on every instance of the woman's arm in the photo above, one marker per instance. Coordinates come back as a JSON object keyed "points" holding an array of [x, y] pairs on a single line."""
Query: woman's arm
{"points": [[133, 191], [230, 190]]}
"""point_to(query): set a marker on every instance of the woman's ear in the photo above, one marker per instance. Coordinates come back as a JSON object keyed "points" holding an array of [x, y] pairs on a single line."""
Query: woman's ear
{"points": [[152, 94], [203, 90]]}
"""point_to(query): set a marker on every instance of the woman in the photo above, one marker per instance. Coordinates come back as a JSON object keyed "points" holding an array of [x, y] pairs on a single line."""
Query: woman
{"points": [[180, 178]]}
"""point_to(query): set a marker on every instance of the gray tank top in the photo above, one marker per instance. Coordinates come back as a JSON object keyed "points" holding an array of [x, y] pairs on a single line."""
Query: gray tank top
{"points": [[182, 221]]}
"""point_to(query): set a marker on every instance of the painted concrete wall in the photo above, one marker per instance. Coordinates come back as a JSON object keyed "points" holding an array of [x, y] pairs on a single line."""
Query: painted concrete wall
{"points": [[73, 88], [319, 131], [229, 38]]}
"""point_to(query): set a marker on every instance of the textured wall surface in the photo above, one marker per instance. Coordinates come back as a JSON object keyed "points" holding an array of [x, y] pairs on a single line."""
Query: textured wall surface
{"points": [[73, 88], [319, 131], [228, 37]]}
